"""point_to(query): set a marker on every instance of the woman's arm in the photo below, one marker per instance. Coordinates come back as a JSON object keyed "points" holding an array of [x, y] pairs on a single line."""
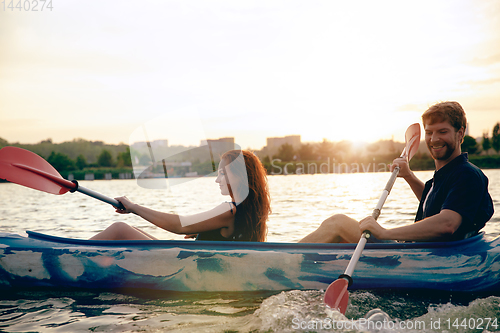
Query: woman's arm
{"points": [[216, 218]]}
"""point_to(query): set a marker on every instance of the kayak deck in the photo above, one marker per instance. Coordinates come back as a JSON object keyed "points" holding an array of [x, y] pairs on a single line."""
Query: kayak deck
{"points": [[253, 245], [49, 261]]}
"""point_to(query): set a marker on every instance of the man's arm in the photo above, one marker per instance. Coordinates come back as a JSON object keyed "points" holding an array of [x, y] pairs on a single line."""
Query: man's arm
{"points": [[416, 185], [436, 227]]}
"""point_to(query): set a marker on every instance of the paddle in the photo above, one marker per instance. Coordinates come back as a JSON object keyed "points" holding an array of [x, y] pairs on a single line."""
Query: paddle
{"points": [[336, 295], [25, 168]]}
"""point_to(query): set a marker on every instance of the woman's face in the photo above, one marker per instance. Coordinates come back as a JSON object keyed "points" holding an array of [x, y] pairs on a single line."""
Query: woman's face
{"points": [[225, 178]]}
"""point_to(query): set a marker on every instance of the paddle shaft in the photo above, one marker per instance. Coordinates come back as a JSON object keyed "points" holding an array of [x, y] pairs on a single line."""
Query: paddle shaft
{"points": [[375, 214], [115, 203], [336, 295], [72, 186]]}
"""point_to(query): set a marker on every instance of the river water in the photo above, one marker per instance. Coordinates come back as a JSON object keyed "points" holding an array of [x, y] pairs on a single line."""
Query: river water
{"points": [[299, 203]]}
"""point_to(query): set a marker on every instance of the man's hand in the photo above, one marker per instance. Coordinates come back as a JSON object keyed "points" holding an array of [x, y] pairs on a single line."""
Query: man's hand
{"points": [[404, 168], [417, 186], [369, 223]]}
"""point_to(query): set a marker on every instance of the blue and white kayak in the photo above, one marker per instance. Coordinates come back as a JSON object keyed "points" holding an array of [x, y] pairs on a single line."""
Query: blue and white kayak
{"points": [[471, 265]]}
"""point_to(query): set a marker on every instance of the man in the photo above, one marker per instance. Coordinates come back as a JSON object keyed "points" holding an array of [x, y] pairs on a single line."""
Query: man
{"points": [[454, 204]]}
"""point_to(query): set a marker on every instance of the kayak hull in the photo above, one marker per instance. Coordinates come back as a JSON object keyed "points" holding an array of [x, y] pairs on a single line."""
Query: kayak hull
{"points": [[471, 265]]}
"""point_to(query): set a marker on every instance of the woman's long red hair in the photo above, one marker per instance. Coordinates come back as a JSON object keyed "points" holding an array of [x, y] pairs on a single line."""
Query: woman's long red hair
{"points": [[252, 213]]}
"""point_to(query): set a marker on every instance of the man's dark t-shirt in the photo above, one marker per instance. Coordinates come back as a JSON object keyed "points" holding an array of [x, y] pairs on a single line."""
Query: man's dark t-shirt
{"points": [[461, 187]]}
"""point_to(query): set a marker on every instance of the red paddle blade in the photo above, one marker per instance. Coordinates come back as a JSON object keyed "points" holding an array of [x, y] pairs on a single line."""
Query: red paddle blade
{"points": [[412, 137], [12, 156], [337, 296]]}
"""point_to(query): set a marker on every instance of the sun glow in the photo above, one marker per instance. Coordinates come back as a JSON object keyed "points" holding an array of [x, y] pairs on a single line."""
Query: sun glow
{"points": [[358, 71]]}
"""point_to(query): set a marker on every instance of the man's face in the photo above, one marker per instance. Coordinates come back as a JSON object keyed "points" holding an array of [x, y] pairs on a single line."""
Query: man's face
{"points": [[443, 141]]}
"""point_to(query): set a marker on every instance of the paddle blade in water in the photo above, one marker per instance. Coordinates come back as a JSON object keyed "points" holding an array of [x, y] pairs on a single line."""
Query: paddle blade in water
{"points": [[337, 296], [12, 156]]}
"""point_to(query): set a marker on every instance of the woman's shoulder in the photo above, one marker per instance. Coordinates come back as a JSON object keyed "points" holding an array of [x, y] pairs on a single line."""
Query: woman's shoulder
{"points": [[232, 206], [226, 208]]}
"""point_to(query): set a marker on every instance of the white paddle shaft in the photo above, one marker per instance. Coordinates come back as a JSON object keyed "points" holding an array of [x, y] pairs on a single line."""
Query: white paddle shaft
{"points": [[334, 295], [385, 193], [357, 253], [376, 213]]}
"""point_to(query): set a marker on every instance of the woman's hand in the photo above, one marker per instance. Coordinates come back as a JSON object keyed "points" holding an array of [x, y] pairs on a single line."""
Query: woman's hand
{"points": [[369, 223], [129, 205], [190, 236]]}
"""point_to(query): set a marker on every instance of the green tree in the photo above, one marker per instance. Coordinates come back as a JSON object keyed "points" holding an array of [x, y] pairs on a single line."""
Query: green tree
{"points": [[105, 159], [306, 152], [325, 149], [124, 159], [495, 138], [469, 145], [285, 152], [3, 143], [61, 162], [486, 144], [81, 162]]}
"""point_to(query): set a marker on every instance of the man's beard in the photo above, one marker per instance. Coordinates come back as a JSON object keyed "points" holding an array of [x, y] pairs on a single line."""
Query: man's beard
{"points": [[448, 152]]}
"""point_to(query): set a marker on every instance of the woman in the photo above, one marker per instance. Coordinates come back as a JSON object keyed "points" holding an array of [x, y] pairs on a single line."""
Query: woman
{"points": [[242, 176]]}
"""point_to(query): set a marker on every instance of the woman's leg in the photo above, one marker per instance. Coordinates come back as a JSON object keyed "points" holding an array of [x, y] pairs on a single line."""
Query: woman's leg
{"points": [[122, 231], [335, 229], [145, 233]]}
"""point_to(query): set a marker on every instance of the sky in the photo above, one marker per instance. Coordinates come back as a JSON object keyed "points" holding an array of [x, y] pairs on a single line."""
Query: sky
{"points": [[191, 70]]}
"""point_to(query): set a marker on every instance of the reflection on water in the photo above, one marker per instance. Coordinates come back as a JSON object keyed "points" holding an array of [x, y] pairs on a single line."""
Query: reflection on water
{"points": [[77, 311], [299, 203]]}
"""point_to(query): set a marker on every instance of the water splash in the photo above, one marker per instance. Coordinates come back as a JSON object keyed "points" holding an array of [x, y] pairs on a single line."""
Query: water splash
{"points": [[304, 311]]}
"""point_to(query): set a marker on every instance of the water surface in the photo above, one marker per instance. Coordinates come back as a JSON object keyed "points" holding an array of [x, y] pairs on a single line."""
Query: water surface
{"points": [[299, 203]]}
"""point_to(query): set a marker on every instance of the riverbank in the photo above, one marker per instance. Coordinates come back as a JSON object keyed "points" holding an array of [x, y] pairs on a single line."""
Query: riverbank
{"points": [[379, 163]]}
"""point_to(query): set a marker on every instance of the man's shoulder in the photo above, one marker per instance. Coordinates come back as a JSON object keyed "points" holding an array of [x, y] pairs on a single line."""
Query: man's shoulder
{"points": [[468, 175], [474, 171], [466, 168]]}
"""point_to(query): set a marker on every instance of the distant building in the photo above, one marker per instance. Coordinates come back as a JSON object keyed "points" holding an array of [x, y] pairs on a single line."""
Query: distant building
{"points": [[159, 143], [275, 143], [219, 146], [154, 144], [227, 141]]}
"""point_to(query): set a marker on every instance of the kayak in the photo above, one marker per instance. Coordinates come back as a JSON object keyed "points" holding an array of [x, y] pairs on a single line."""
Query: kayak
{"points": [[39, 260]]}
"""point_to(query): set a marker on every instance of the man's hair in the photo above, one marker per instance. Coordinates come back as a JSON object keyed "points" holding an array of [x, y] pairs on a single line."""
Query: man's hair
{"points": [[446, 111]]}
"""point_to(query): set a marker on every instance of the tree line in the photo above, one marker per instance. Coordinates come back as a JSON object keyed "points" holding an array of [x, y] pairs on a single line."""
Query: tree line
{"points": [[344, 150], [63, 162], [78, 154], [493, 142]]}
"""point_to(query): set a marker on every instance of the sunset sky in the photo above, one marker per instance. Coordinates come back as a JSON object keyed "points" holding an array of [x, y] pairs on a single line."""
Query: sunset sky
{"points": [[354, 70]]}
